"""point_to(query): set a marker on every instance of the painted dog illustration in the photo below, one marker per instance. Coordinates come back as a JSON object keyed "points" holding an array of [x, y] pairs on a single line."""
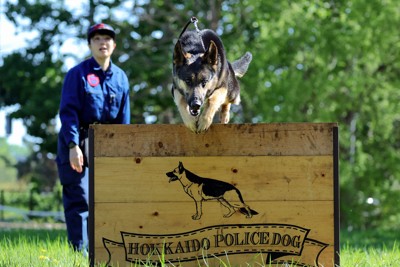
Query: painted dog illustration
{"points": [[202, 189]]}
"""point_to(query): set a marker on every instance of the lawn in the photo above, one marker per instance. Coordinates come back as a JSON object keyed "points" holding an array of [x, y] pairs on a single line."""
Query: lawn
{"points": [[48, 247], [37, 247]]}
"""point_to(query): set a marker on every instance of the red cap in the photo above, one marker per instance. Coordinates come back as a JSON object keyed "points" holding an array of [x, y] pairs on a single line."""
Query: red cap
{"points": [[102, 29]]}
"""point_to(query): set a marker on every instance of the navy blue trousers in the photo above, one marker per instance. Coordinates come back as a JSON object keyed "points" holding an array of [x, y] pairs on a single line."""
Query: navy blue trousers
{"points": [[76, 210]]}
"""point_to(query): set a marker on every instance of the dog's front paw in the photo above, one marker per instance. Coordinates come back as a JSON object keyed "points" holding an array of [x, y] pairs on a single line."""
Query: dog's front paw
{"points": [[191, 126], [229, 214], [203, 125], [224, 117], [196, 216]]}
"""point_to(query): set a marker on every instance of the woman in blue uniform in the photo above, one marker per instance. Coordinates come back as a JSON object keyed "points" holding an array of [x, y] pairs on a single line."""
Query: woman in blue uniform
{"points": [[94, 91]]}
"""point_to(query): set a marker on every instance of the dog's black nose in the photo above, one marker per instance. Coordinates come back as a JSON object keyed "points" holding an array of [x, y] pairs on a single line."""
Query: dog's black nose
{"points": [[172, 176], [195, 106]]}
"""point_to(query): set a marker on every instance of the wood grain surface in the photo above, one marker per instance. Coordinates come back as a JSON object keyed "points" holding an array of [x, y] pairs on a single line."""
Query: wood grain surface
{"points": [[284, 172]]}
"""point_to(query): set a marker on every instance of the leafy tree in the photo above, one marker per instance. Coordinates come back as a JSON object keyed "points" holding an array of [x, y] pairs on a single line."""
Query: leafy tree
{"points": [[334, 61], [7, 162]]}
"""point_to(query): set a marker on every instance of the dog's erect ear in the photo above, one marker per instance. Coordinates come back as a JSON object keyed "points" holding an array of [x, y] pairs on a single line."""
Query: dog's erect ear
{"points": [[211, 56], [179, 59], [180, 56], [180, 166]]}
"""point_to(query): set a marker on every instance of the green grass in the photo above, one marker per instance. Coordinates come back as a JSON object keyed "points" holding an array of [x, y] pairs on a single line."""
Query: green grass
{"points": [[370, 238], [370, 248], [22, 247], [370, 256], [33, 247]]}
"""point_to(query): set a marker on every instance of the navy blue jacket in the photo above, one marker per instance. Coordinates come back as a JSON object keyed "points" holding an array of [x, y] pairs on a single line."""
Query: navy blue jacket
{"points": [[89, 95]]}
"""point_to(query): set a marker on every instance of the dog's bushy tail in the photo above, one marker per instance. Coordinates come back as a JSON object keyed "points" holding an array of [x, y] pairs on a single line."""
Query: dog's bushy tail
{"points": [[241, 65], [245, 211]]}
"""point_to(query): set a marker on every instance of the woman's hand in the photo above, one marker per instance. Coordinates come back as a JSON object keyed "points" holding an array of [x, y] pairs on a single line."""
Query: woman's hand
{"points": [[76, 158]]}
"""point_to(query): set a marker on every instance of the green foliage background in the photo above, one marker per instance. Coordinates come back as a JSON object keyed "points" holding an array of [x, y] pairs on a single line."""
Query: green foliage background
{"points": [[313, 61]]}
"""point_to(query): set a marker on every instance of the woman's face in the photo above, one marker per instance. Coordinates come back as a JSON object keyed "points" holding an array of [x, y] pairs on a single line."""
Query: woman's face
{"points": [[102, 46]]}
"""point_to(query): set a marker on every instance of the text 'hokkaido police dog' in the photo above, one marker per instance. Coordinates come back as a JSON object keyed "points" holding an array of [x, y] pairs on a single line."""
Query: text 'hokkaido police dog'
{"points": [[203, 79]]}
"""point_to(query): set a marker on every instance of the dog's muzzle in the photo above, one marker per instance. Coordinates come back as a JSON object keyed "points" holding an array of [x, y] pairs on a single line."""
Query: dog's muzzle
{"points": [[172, 176], [195, 106]]}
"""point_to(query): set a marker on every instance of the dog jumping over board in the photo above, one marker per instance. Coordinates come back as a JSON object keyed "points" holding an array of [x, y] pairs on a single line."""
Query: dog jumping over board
{"points": [[203, 189], [204, 81]]}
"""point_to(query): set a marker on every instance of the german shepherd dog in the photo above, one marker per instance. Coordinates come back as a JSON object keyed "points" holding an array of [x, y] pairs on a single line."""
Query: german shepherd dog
{"points": [[202, 189], [203, 79]]}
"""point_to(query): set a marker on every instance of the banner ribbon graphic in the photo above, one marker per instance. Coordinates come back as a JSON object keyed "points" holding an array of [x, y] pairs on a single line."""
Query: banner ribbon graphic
{"points": [[282, 243]]}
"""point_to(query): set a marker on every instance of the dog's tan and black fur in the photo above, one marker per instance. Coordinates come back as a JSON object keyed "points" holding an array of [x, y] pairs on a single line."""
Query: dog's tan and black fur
{"points": [[202, 189], [203, 79]]}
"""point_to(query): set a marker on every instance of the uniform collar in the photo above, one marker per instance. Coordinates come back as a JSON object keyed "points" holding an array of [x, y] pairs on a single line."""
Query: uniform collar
{"points": [[96, 67]]}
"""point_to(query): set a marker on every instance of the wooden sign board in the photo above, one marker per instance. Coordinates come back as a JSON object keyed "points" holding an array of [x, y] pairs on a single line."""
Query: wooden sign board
{"points": [[241, 194]]}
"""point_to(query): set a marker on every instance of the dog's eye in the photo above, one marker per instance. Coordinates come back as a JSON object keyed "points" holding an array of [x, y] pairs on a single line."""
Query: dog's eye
{"points": [[188, 82], [203, 83]]}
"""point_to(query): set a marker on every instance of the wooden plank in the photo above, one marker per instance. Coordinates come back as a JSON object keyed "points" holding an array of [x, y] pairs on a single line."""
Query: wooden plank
{"points": [[220, 140], [310, 251], [162, 218], [256, 259], [174, 219], [288, 178]]}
